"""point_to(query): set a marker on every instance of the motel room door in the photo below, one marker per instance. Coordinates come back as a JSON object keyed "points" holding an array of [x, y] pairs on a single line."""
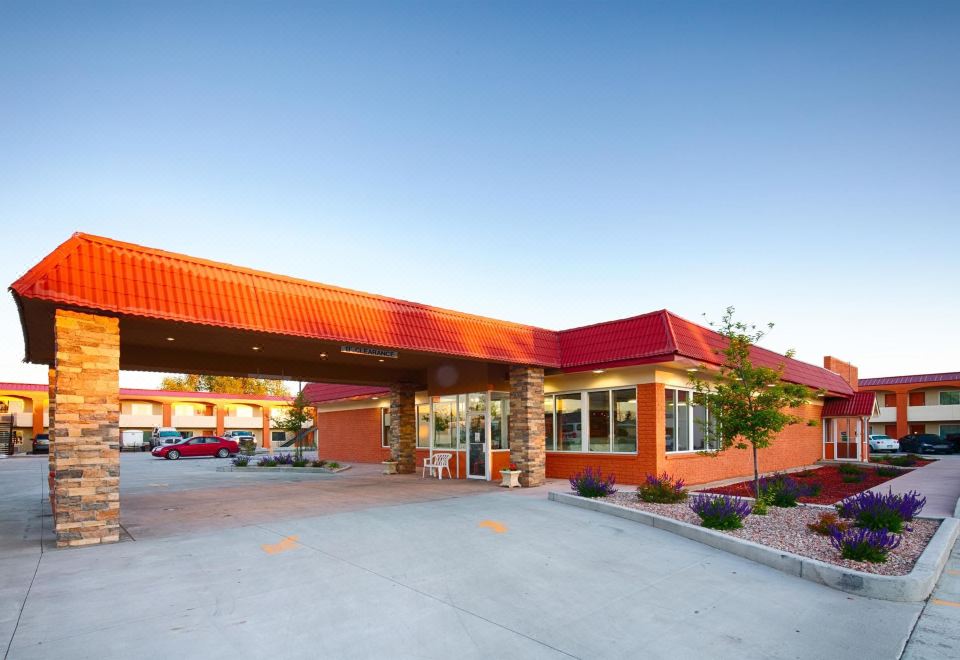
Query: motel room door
{"points": [[848, 438]]}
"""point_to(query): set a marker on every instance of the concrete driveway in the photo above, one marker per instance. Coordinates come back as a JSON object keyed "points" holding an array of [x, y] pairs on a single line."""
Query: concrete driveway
{"points": [[939, 482], [412, 570]]}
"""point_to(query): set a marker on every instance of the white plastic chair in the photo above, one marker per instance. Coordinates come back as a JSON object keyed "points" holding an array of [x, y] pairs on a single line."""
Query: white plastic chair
{"points": [[438, 462]]}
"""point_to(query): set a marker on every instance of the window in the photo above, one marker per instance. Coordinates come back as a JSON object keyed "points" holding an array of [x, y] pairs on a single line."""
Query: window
{"points": [[569, 421], [548, 423], [625, 420], [499, 416], [889, 400], [917, 399], [687, 423], [949, 429], [951, 398], [183, 410], [423, 426], [445, 422], [591, 421], [598, 417], [384, 427], [241, 411], [139, 408]]}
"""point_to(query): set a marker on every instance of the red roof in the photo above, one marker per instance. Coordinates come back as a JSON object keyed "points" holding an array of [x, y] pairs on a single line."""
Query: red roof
{"points": [[861, 404], [328, 392], [661, 335], [127, 279], [906, 380], [126, 391]]}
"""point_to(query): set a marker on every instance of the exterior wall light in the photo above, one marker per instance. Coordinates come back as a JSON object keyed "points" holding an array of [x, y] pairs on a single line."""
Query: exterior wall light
{"points": [[256, 348], [169, 338], [598, 371]]}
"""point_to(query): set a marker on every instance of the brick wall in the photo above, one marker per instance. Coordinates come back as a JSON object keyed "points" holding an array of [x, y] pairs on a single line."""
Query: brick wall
{"points": [[351, 436], [844, 369], [798, 445]]}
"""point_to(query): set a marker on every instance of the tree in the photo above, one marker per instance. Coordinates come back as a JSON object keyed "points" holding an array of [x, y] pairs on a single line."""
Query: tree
{"points": [[293, 420], [224, 385], [748, 404]]}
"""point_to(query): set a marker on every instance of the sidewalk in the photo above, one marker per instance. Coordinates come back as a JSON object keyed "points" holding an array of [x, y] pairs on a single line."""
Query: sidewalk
{"points": [[939, 482]]}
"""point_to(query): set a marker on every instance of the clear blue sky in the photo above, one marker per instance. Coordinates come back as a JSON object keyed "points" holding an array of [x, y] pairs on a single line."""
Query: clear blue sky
{"points": [[552, 163]]}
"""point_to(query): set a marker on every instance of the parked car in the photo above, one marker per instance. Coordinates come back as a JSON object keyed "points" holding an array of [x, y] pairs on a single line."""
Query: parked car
{"points": [[953, 439], [879, 442], [926, 443], [41, 443], [200, 445], [240, 435], [165, 435]]}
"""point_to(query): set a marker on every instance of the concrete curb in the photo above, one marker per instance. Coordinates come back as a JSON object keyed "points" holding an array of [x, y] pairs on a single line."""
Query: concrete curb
{"points": [[913, 587], [281, 468]]}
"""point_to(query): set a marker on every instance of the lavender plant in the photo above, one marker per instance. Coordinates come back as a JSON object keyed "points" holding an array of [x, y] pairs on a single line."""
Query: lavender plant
{"points": [[720, 511], [284, 458], [783, 491], [266, 461], [241, 461], [876, 511], [862, 544], [662, 489], [588, 483]]}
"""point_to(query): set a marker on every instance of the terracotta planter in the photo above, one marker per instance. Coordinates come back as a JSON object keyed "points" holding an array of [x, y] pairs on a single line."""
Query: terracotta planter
{"points": [[510, 478], [389, 467]]}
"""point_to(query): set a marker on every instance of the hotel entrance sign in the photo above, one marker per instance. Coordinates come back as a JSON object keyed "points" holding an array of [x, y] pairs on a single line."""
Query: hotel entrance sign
{"points": [[373, 352]]}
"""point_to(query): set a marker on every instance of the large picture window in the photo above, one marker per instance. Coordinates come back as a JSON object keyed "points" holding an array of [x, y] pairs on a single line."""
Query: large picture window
{"points": [[686, 423], [602, 421], [423, 426], [950, 398]]}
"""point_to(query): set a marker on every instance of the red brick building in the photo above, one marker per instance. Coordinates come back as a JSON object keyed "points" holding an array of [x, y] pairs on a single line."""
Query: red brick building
{"points": [[925, 403]]}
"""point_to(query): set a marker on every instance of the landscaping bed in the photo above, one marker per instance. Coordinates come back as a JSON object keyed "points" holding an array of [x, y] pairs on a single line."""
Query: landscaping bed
{"points": [[830, 479], [786, 529]]}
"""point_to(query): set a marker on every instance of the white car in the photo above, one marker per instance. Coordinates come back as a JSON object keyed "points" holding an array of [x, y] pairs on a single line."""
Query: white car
{"points": [[883, 443]]}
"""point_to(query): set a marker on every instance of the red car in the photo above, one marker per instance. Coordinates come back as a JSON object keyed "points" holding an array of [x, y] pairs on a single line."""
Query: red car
{"points": [[201, 445]]}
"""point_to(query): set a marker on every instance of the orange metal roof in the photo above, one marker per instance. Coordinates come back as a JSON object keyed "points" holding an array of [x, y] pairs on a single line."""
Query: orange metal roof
{"points": [[123, 278], [98, 273]]}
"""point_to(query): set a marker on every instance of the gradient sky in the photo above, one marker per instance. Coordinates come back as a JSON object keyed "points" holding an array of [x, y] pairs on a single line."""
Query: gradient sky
{"points": [[555, 163]]}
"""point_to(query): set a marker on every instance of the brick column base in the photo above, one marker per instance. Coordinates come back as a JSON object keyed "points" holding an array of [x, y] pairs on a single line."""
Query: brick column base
{"points": [[85, 429], [403, 428], [526, 429]]}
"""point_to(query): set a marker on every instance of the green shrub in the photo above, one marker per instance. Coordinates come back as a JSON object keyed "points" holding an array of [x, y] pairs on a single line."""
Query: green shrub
{"points": [[299, 462], [814, 489], [849, 468], [248, 446], [333, 465], [887, 471], [761, 505], [904, 461], [851, 478]]}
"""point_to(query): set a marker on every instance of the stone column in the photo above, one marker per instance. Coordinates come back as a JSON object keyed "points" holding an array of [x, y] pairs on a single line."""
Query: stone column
{"points": [[403, 427], [85, 428], [526, 429]]}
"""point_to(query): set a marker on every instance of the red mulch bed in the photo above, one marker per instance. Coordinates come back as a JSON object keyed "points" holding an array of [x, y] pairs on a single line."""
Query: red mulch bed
{"points": [[829, 477]]}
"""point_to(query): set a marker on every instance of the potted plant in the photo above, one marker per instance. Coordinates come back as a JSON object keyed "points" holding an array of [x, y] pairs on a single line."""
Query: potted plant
{"points": [[389, 466], [510, 477]]}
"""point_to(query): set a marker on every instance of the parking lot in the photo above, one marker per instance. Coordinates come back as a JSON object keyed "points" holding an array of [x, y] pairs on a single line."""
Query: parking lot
{"points": [[360, 565]]}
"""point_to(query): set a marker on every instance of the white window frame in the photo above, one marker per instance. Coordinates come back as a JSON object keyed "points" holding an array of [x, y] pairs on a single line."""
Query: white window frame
{"points": [[691, 423], [551, 443]]}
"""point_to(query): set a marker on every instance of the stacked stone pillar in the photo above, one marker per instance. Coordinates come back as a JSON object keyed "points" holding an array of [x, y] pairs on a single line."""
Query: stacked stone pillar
{"points": [[85, 429], [403, 427], [526, 429]]}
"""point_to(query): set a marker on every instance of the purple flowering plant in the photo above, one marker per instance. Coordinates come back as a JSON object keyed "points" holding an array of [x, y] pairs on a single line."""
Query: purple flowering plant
{"points": [[590, 483], [882, 511], [662, 489], [862, 544], [720, 511]]}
